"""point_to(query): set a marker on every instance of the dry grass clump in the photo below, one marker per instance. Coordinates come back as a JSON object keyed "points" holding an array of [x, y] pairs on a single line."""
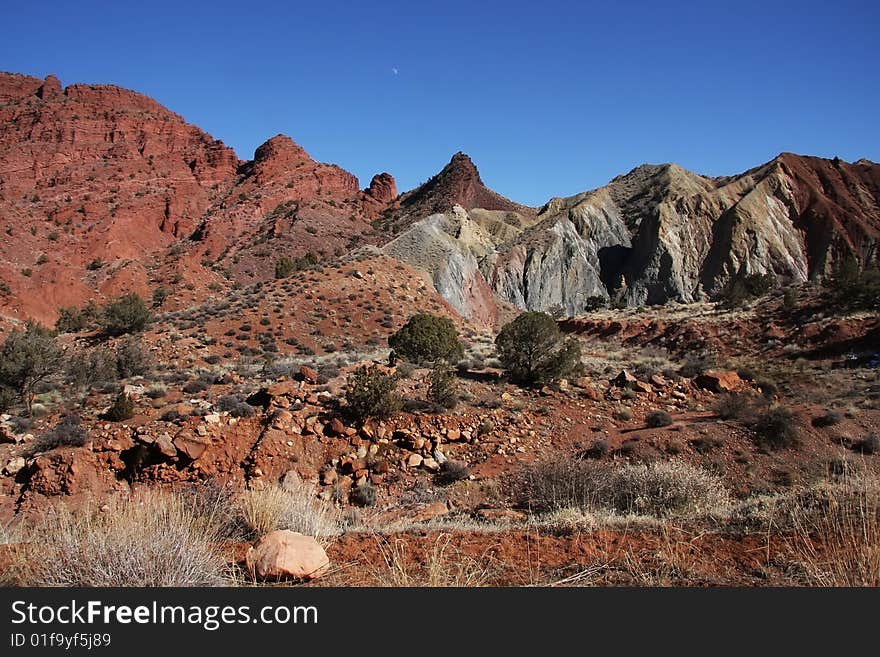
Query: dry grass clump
{"points": [[148, 540], [292, 506], [839, 543], [661, 489], [442, 565]]}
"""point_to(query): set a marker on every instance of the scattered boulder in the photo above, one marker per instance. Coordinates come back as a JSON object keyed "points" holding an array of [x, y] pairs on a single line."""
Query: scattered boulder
{"points": [[189, 445], [308, 374], [14, 465], [284, 554], [627, 380], [719, 381]]}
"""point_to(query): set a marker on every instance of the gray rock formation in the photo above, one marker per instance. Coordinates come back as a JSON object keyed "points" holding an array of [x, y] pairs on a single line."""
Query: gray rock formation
{"points": [[656, 234]]}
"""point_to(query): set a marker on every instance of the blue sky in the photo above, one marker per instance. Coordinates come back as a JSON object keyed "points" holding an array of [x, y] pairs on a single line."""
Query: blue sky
{"points": [[549, 98]]}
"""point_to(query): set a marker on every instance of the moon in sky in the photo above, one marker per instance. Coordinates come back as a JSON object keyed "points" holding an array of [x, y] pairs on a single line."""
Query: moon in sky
{"points": [[394, 70]]}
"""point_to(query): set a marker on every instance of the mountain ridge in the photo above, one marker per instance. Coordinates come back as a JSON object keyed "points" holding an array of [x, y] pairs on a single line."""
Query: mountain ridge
{"points": [[103, 190]]}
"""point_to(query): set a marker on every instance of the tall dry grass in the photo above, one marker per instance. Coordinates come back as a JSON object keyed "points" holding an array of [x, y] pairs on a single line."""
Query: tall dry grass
{"points": [[837, 543], [442, 565], [292, 507], [151, 540]]}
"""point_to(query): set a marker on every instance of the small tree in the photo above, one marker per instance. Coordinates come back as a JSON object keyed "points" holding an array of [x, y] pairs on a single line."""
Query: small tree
{"points": [[86, 368], [534, 351], [426, 337], [70, 320], [28, 357], [284, 267], [126, 314], [371, 392], [443, 387], [854, 287]]}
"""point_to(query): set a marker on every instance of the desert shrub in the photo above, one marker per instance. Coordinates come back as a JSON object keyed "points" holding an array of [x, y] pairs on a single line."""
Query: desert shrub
{"points": [[71, 320], [147, 541], [443, 386], [746, 287], [596, 302], [597, 450], [69, 432], [560, 482], [89, 367], [706, 444], [662, 489], [835, 535], [160, 295], [156, 391], [775, 428], [868, 444], [196, 386], [453, 470], [285, 266], [854, 287], [363, 495], [666, 488], [657, 419], [733, 406], [235, 406], [695, 365], [29, 357], [533, 350], [121, 409], [292, 507], [217, 505], [8, 397], [427, 338], [371, 392], [132, 359], [125, 314], [767, 386], [828, 419]]}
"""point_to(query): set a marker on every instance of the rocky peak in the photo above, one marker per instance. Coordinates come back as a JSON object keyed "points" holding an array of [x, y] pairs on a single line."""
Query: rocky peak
{"points": [[383, 188], [15, 85], [280, 147], [51, 88], [458, 183], [277, 156]]}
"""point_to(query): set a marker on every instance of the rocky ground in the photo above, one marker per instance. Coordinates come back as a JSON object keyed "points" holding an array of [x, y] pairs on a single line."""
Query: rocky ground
{"points": [[447, 484]]}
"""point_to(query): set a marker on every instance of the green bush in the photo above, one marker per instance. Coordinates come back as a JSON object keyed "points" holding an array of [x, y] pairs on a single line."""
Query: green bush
{"points": [[657, 419], [85, 369], [745, 288], [70, 320], [371, 392], [285, 266], [126, 314], [596, 302], [443, 388], [160, 294], [532, 349], [132, 359], [28, 358], [122, 409], [775, 429], [854, 287], [426, 338]]}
